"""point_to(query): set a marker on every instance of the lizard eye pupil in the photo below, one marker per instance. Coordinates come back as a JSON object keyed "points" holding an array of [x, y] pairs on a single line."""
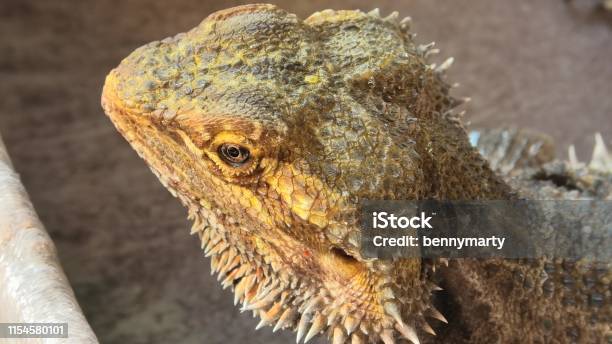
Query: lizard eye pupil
{"points": [[233, 154]]}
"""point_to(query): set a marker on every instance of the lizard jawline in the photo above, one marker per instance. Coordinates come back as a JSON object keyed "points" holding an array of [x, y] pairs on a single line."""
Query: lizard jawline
{"points": [[284, 300]]}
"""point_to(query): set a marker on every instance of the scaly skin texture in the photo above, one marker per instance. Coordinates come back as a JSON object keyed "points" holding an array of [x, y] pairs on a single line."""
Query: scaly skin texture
{"points": [[270, 130]]}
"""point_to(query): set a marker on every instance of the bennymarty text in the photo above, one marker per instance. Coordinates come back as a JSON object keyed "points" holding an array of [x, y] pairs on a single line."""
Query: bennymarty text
{"points": [[423, 222]]}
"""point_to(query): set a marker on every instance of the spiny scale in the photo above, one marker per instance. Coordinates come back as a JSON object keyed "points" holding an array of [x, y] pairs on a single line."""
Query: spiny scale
{"points": [[285, 319], [408, 332], [445, 65], [393, 17], [318, 324], [350, 324], [338, 336], [387, 337], [427, 328], [601, 158], [375, 13], [434, 313]]}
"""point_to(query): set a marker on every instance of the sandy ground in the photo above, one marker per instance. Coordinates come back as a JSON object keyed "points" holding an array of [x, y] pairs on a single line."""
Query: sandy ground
{"points": [[122, 238]]}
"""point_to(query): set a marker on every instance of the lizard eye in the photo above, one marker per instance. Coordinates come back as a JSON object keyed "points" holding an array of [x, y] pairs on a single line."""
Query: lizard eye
{"points": [[233, 154]]}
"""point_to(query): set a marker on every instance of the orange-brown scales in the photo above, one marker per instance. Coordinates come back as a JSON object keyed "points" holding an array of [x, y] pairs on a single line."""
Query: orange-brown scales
{"points": [[271, 129]]}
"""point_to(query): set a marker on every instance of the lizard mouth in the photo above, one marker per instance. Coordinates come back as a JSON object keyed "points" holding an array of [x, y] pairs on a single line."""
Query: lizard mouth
{"points": [[343, 255]]}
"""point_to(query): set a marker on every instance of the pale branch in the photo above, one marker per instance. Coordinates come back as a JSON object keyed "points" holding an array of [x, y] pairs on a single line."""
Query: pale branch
{"points": [[33, 286]]}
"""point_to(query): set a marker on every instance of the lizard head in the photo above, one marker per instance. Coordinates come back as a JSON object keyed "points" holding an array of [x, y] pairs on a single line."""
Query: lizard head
{"points": [[271, 130]]}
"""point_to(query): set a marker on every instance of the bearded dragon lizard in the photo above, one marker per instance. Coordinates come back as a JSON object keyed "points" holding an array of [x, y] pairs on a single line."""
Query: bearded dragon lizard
{"points": [[271, 129]]}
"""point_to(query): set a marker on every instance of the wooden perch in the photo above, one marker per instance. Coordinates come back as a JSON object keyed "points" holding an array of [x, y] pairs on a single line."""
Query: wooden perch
{"points": [[33, 286]]}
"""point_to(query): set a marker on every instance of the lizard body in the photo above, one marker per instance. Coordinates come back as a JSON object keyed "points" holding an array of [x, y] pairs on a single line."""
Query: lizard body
{"points": [[270, 129]]}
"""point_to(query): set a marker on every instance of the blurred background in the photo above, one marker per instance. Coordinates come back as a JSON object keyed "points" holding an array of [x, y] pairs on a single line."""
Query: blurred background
{"points": [[124, 241]]}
